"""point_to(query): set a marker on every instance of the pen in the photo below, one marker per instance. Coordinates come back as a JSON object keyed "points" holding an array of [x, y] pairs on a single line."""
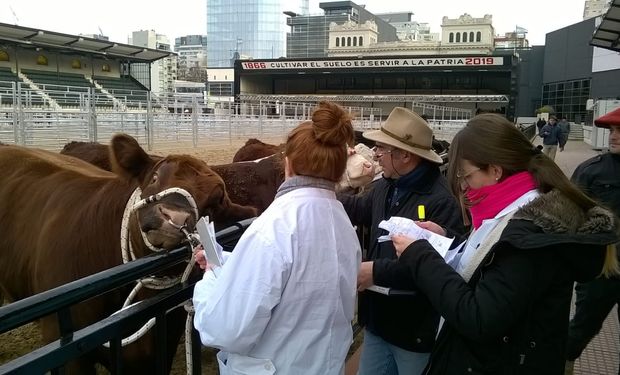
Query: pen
{"points": [[421, 212]]}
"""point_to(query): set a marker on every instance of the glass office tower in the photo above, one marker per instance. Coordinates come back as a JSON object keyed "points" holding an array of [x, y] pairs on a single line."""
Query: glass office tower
{"points": [[248, 28]]}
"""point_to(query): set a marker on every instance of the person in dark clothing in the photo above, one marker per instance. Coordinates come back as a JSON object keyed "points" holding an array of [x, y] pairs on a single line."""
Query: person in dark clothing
{"points": [[399, 330], [599, 177], [540, 123], [564, 126], [551, 135], [505, 292]]}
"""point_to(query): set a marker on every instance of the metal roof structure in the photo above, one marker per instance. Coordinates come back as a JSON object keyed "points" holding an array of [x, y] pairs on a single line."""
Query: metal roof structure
{"points": [[26, 36], [607, 34], [377, 98]]}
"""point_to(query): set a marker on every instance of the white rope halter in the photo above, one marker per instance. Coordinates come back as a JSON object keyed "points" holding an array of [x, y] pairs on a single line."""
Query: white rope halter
{"points": [[159, 283]]}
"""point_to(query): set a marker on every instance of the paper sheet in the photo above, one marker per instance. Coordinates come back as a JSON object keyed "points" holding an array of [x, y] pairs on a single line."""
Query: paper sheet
{"points": [[213, 251], [407, 227]]}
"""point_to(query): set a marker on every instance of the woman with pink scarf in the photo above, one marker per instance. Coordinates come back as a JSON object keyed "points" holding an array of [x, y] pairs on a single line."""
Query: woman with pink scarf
{"points": [[504, 294]]}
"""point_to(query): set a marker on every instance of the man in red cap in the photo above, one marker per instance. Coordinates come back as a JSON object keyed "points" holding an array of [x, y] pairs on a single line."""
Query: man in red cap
{"points": [[599, 177]]}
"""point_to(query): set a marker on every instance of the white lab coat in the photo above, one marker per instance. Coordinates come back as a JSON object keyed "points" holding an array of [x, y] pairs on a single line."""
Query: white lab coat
{"points": [[284, 300]]}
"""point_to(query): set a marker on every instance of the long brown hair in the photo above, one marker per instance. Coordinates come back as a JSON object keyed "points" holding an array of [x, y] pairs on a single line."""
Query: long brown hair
{"points": [[492, 139], [318, 148]]}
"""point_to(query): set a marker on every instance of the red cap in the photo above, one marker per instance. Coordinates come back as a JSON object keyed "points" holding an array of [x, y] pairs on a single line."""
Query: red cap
{"points": [[611, 118]]}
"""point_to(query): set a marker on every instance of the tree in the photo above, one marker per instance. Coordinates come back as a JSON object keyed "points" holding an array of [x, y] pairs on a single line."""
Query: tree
{"points": [[545, 109]]}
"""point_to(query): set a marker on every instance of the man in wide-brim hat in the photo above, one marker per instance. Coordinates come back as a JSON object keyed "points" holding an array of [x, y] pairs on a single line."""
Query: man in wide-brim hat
{"points": [[399, 332], [599, 177]]}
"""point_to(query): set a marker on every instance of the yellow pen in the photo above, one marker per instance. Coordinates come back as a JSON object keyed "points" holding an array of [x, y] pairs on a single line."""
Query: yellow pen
{"points": [[421, 212]]}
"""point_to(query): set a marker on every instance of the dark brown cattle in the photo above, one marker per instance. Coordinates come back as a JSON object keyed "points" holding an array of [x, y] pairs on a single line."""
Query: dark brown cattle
{"points": [[255, 149], [247, 183], [93, 152], [60, 220], [253, 183]]}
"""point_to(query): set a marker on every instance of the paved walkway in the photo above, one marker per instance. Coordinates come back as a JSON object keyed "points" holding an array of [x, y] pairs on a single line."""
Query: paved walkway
{"points": [[601, 356]]}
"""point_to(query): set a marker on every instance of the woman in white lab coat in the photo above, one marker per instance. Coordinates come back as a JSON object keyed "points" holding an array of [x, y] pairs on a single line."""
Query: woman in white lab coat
{"points": [[284, 300]]}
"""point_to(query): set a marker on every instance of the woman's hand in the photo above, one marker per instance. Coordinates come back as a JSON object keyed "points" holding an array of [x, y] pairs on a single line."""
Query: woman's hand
{"points": [[201, 259], [400, 242], [364, 277], [433, 227]]}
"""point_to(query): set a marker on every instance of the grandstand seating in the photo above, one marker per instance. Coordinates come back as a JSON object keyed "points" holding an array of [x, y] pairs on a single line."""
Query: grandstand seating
{"points": [[126, 89], [7, 75], [41, 77], [67, 89]]}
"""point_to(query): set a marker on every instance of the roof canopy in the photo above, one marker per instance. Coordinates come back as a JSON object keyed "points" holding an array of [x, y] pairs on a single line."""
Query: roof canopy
{"points": [[26, 36], [611, 118], [607, 35]]}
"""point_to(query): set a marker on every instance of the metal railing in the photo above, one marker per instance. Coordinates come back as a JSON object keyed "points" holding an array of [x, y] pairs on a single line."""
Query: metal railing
{"points": [[74, 344]]}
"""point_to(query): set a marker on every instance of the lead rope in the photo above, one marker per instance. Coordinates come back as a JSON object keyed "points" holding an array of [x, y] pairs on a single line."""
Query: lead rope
{"points": [[159, 283]]}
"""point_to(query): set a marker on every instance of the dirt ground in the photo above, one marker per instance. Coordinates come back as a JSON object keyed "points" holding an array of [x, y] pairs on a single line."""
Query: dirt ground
{"points": [[25, 339]]}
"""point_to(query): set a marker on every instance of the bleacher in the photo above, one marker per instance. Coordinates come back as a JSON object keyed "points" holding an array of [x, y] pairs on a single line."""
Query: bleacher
{"points": [[125, 89], [7, 75], [67, 89], [7, 79]]}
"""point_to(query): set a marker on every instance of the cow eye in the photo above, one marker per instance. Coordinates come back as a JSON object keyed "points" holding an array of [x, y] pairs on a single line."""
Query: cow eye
{"points": [[155, 178]]}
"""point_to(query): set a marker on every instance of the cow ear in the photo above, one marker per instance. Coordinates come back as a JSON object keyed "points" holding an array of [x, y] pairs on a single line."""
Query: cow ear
{"points": [[128, 159]]}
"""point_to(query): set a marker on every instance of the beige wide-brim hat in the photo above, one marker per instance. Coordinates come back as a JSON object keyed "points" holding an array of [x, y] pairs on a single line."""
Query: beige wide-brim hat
{"points": [[407, 131]]}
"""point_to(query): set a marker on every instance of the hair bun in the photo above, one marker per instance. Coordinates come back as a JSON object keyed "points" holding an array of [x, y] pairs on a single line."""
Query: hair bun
{"points": [[332, 125]]}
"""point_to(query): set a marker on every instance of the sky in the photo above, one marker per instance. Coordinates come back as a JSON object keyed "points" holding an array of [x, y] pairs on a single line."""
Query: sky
{"points": [[118, 18]]}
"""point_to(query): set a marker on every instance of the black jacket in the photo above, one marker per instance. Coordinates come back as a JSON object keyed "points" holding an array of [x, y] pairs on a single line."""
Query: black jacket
{"points": [[512, 316], [599, 177], [405, 321]]}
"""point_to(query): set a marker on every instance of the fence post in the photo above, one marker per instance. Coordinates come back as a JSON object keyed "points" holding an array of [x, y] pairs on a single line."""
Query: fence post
{"points": [[195, 121], [149, 122]]}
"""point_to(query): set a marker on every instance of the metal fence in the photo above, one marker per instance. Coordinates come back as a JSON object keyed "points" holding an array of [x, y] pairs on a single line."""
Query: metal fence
{"points": [[50, 116]]}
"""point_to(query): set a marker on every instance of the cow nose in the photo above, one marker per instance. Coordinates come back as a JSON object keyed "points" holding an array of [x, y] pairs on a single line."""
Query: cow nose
{"points": [[176, 217]]}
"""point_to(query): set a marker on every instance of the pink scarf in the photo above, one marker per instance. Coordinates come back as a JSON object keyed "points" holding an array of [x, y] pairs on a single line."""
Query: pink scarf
{"points": [[490, 200]]}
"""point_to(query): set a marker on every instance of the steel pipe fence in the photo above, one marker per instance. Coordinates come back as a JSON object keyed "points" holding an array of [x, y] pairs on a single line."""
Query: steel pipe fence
{"points": [[49, 119]]}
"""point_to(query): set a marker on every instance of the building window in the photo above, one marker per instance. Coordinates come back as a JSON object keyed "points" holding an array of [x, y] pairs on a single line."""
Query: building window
{"points": [[354, 41], [337, 42], [451, 37], [361, 40], [478, 36], [348, 41], [458, 37], [464, 37], [342, 42], [471, 36], [4, 56]]}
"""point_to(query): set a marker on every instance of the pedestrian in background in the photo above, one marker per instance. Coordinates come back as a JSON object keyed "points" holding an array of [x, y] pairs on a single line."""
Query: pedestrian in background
{"points": [[564, 126], [551, 135]]}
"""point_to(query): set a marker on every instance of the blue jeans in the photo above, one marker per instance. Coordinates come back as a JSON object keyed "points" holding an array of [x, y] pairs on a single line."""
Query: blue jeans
{"points": [[382, 358]]}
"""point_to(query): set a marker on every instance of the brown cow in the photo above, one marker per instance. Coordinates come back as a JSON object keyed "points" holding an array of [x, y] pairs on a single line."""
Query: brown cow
{"points": [[247, 183], [255, 149], [60, 220], [98, 154]]}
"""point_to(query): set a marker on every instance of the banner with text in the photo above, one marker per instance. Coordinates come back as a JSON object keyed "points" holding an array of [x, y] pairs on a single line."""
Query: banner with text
{"points": [[374, 63]]}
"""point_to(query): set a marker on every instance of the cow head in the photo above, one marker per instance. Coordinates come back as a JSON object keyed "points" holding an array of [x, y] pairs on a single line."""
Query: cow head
{"points": [[160, 220]]}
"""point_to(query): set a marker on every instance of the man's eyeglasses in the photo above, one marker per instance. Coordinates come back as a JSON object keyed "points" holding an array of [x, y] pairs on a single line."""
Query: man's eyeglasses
{"points": [[463, 175], [380, 151]]}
